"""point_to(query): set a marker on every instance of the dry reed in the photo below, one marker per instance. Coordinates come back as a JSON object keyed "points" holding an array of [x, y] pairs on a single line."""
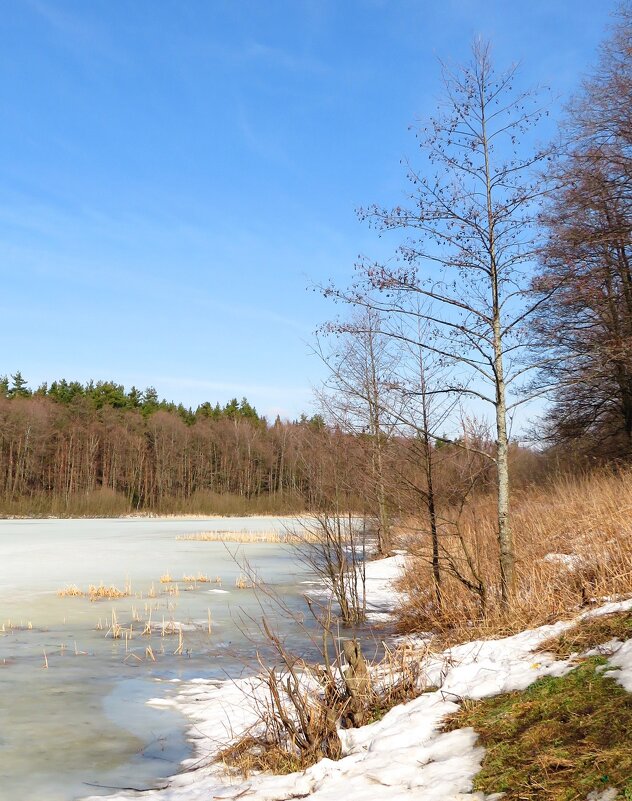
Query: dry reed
{"points": [[573, 547], [95, 592], [246, 536], [200, 578], [101, 592], [71, 591]]}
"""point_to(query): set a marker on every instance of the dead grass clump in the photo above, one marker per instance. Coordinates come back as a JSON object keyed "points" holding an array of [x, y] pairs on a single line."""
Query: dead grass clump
{"points": [[200, 578], [115, 630], [297, 721], [590, 633], [282, 750], [168, 628], [258, 755], [71, 591], [560, 739], [573, 546], [95, 592], [396, 679], [103, 593]]}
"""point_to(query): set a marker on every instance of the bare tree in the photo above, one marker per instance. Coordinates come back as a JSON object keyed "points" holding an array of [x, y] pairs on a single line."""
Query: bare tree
{"points": [[360, 363], [472, 227], [421, 418], [587, 325], [333, 546]]}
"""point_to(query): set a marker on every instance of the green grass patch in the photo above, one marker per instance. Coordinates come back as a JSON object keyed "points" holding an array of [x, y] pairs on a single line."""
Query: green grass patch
{"points": [[558, 740], [590, 633]]}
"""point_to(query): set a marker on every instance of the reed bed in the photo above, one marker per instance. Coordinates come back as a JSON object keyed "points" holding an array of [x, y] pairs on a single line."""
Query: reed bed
{"points": [[71, 591], [171, 587], [573, 542], [246, 536], [102, 593], [95, 592]]}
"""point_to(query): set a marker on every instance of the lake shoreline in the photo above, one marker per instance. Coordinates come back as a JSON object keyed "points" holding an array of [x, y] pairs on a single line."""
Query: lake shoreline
{"points": [[80, 669], [219, 711]]}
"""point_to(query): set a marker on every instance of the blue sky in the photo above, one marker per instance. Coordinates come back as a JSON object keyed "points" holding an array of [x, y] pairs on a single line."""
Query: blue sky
{"points": [[175, 175]]}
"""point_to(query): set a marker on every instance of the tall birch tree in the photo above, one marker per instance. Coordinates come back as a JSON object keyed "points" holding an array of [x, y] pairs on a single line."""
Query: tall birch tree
{"points": [[471, 239]]}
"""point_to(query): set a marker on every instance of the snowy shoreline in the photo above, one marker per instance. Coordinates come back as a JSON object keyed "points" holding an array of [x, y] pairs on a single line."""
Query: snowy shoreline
{"points": [[400, 756]]}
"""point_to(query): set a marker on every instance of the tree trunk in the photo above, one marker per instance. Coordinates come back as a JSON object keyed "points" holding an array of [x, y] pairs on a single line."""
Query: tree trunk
{"points": [[505, 539]]}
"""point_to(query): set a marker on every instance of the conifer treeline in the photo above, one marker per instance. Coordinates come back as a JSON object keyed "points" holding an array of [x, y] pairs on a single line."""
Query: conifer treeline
{"points": [[97, 448]]}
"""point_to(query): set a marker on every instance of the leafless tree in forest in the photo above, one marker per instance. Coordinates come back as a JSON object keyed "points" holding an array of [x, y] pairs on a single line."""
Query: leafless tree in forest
{"points": [[422, 413], [587, 323], [360, 363]]}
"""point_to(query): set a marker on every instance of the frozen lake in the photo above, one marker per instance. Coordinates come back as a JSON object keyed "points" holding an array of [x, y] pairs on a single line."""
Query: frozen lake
{"points": [[73, 714]]}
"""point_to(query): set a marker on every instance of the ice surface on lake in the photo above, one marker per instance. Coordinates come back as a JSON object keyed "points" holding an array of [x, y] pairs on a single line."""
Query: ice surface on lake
{"points": [[84, 720]]}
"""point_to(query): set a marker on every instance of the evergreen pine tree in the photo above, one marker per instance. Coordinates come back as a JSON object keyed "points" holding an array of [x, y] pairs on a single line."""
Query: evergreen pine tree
{"points": [[19, 388]]}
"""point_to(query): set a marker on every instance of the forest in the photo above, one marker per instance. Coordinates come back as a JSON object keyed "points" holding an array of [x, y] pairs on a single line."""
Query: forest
{"points": [[96, 449]]}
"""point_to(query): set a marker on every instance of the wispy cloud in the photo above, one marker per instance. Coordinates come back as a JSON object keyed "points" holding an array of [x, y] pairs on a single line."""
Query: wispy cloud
{"points": [[78, 33], [37, 236], [250, 51], [296, 62]]}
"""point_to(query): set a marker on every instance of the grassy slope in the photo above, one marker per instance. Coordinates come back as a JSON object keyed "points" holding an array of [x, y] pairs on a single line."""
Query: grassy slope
{"points": [[561, 738]]}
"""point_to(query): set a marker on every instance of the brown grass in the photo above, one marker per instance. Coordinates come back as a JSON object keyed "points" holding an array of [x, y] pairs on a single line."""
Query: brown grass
{"points": [[105, 502], [95, 592], [256, 755], [247, 536], [590, 633], [102, 593], [588, 518]]}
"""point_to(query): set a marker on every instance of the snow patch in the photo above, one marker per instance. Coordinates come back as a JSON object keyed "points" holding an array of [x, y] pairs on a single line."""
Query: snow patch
{"points": [[571, 561]]}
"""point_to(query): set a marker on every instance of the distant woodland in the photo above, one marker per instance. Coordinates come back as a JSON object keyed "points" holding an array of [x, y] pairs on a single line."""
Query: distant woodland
{"points": [[70, 448]]}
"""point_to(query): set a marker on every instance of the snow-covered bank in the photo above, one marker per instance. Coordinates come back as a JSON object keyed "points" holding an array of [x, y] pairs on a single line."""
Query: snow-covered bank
{"points": [[380, 578], [381, 595], [403, 756]]}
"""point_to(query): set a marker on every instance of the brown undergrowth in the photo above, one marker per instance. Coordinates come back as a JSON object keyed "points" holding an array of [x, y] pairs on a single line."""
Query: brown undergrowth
{"points": [[573, 542], [298, 716]]}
